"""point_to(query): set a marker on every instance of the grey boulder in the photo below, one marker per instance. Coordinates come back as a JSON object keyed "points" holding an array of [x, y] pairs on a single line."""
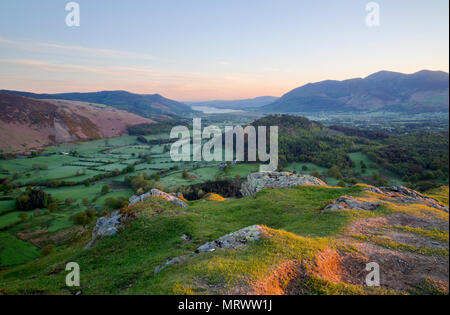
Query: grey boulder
{"points": [[258, 181], [346, 202]]}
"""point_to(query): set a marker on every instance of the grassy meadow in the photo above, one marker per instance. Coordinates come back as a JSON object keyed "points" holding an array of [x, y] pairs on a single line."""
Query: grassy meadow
{"points": [[295, 230]]}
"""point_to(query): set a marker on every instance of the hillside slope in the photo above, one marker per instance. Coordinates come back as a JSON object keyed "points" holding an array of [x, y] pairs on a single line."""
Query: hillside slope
{"points": [[298, 249], [151, 105], [27, 123], [424, 91], [411, 156]]}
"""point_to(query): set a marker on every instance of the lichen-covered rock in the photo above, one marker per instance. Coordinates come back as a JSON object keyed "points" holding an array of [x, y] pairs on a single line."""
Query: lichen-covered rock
{"points": [[135, 199], [258, 181], [170, 262], [158, 193], [234, 240], [437, 205], [406, 194], [231, 241], [179, 196], [403, 192], [395, 193], [346, 202], [168, 197], [374, 190], [107, 226]]}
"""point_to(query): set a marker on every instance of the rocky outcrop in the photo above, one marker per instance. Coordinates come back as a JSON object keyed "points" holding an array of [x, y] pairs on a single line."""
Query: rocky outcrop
{"points": [[168, 197], [158, 193], [398, 193], [141, 198], [234, 240], [107, 226], [346, 202], [170, 262], [110, 225], [258, 181], [405, 194], [374, 190]]}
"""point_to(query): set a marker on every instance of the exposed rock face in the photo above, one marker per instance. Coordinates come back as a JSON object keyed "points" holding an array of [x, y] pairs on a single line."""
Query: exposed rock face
{"points": [[346, 202], [107, 226], [231, 241], [136, 199], [172, 199], [399, 193], [158, 193], [174, 261], [110, 225], [258, 181], [403, 192], [374, 190], [406, 194]]}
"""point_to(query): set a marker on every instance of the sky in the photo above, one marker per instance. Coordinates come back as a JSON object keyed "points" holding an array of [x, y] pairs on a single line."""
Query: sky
{"points": [[191, 50]]}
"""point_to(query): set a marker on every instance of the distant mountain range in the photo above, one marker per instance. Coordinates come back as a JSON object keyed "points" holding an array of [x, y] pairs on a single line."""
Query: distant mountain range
{"points": [[424, 91], [146, 105], [237, 104], [29, 124]]}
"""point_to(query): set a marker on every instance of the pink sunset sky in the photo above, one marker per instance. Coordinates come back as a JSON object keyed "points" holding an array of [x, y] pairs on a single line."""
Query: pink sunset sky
{"points": [[197, 50]]}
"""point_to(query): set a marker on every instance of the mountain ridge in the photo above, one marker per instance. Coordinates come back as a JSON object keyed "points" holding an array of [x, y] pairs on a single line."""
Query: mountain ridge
{"points": [[423, 91], [146, 105], [30, 124]]}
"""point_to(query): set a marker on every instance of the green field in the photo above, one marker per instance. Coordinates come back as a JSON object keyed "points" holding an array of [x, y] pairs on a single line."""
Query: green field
{"points": [[6, 205], [9, 218], [371, 170], [77, 162], [14, 251]]}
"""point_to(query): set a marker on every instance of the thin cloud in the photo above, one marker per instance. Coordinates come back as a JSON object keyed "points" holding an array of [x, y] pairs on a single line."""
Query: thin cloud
{"points": [[121, 71], [72, 50], [66, 68]]}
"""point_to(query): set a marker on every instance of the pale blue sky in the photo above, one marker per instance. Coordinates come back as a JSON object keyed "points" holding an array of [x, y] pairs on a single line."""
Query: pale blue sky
{"points": [[214, 49]]}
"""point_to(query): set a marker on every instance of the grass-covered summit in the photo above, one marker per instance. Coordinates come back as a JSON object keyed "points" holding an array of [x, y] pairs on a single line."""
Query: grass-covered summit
{"points": [[303, 250]]}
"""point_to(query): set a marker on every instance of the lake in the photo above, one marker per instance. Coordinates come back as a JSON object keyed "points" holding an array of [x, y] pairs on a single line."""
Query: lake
{"points": [[213, 110]]}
